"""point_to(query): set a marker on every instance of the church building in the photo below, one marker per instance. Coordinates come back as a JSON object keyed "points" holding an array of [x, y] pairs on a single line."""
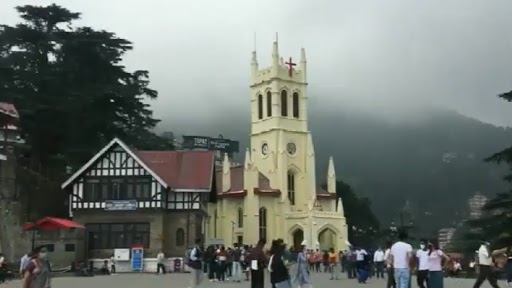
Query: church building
{"points": [[275, 193]]}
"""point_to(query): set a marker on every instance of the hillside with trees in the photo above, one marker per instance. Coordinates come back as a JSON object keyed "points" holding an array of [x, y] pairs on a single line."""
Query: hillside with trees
{"points": [[424, 166]]}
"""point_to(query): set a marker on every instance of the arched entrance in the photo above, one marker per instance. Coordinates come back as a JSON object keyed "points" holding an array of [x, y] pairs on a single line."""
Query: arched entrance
{"points": [[327, 239], [298, 237]]}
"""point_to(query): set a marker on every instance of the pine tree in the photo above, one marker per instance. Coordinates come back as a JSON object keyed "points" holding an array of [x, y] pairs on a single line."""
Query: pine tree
{"points": [[496, 223]]}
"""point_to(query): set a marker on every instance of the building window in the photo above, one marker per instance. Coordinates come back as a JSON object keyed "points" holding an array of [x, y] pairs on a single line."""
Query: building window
{"points": [[291, 187], [260, 106], [269, 104], [100, 189], [240, 218], [50, 247], [263, 223], [240, 239], [180, 237], [284, 103], [117, 235], [92, 190], [69, 247], [295, 105]]}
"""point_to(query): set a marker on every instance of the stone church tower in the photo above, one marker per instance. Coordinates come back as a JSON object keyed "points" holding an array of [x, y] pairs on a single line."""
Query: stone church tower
{"points": [[275, 194]]}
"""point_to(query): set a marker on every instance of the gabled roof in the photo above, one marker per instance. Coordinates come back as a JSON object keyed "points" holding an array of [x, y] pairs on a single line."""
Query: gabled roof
{"points": [[103, 151], [182, 170]]}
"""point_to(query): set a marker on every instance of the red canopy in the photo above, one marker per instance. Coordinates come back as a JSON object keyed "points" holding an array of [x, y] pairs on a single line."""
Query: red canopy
{"points": [[52, 223]]}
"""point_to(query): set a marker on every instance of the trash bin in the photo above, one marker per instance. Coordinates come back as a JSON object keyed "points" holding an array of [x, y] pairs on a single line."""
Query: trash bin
{"points": [[177, 265]]}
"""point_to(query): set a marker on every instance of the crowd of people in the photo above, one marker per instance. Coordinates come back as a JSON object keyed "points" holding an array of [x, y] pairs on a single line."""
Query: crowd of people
{"points": [[396, 264]]}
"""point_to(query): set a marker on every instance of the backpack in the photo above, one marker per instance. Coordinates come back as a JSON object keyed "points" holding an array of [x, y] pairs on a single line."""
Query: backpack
{"points": [[193, 264]]}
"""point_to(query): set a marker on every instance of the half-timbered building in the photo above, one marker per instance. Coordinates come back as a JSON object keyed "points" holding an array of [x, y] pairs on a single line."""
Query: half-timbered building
{"points": [[128, 197]]}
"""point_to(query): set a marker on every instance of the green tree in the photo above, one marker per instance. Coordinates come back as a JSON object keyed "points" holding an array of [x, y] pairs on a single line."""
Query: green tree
{"points": [[72, 91], [361, 221], [70, 87], [496, 223]]}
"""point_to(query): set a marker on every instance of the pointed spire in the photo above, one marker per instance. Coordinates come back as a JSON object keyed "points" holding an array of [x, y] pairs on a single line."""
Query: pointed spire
{"points": [[275, 53], [303, 65], [303, 55], [254, 59], [331, 177], [330, 170], [340, 209], [248, 161], [226, 167], [226, 174], [310, 149]]}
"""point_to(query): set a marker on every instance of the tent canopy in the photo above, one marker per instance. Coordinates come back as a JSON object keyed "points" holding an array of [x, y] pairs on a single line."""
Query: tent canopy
{"points": [[52, 223]]}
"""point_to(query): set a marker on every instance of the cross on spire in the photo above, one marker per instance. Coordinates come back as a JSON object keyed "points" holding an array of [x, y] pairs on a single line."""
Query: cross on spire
{"points": [[290, 66]]}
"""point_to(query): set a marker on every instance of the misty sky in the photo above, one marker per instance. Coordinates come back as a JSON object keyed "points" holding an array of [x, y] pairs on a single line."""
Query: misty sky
{"points": [[455, 54]]}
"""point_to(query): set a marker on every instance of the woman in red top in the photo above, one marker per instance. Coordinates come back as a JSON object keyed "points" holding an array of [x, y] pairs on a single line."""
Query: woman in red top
{"points": [[222, 258]]}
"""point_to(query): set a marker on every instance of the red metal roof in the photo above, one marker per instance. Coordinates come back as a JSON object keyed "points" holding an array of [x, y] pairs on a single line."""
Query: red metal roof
{"points": [[237, 185], [183, 169]]}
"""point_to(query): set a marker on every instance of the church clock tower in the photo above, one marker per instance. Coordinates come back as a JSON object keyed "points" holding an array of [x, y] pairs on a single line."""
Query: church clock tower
{"points": [[281, 145]]}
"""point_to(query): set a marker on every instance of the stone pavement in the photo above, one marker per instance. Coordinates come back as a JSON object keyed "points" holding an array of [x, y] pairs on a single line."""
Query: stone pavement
{"points": [[182, 280]]}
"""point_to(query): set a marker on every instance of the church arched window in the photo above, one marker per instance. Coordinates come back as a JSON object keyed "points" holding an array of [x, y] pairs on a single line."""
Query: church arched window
{"points": [[295, 105], [263, 223], [215, 223], [260, 106], [291, 187], [269, 104], [284, 103], [240, 218], [180, 237]]}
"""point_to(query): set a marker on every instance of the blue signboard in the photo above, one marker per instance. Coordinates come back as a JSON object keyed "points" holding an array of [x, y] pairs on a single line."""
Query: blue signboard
{"points": [[138, 259], [120, 205]]}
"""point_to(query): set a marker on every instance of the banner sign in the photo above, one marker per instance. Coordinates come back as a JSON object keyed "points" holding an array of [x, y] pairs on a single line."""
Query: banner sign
{"points": [[208, 143], [120, 205]]}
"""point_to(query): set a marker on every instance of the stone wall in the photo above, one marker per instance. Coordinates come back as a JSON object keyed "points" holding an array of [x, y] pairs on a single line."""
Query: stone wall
{"points": [[13, 242]]}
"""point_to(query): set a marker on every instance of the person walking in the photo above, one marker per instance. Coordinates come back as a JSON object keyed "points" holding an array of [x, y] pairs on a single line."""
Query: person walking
{"points": [[257, 265], [279, 272], [196, 264], [401, 256], [378, 260], [236, 270], [435, 268], [160, 258], [422, 258], [485, 266], [390, 272], [37, 273], [302, 277]]}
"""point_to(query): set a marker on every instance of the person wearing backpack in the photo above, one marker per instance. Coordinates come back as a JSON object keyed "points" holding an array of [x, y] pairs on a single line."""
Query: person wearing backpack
{"points": [[195, 263]]}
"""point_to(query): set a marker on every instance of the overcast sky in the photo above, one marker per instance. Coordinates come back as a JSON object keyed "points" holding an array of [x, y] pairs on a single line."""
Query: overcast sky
{"points": [[454, 54]]}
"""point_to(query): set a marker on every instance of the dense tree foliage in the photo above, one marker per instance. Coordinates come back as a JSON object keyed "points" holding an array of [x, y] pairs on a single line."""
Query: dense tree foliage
{"points": [[496, 222], [71, 90], [362, 224]]}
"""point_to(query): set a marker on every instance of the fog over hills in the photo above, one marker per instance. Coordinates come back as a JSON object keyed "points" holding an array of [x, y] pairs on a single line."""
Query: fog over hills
{"points": [[428, 160]]}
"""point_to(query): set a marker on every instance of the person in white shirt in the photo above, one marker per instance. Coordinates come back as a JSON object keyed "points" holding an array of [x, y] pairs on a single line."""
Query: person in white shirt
{"points": [[160, 258], [401, 256], [378, 259], [360, 254], [112, 265], [422, 258], [485, 266]]}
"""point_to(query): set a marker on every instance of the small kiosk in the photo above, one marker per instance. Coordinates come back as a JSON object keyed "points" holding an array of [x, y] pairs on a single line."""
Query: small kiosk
{"points": [[137, 261]]}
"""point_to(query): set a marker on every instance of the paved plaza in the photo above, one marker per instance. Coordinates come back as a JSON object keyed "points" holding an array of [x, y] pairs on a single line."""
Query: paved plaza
{"points": [[181, 281]]}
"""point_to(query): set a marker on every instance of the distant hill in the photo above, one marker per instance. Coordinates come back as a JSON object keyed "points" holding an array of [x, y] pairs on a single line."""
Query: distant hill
{"points": [[427, 161]]}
